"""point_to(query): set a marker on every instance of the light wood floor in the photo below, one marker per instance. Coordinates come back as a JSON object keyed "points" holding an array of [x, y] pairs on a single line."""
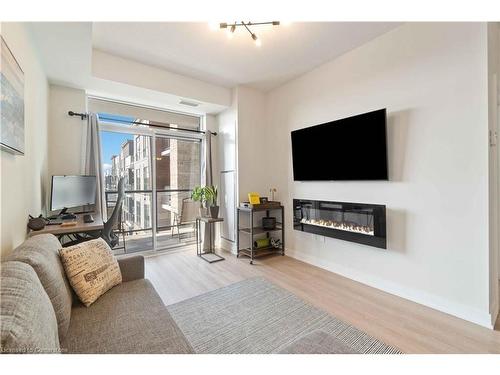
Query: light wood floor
{"points": [[409, 326]]}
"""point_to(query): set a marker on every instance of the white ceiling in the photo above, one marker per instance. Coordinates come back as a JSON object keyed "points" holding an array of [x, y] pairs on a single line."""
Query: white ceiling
{"points": [[192, 49], [65, 51]]}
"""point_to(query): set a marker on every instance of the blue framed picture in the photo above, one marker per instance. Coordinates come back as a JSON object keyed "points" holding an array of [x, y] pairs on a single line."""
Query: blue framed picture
{"points": [[11, 103]]}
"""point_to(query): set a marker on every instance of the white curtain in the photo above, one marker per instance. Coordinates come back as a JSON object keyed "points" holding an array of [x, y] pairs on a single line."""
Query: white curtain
{"points": [[207, 178], [93, 161], [206, 165]]}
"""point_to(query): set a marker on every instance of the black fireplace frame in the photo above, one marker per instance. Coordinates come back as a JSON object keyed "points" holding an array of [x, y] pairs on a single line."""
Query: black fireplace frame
{"points": [[378, 239]]}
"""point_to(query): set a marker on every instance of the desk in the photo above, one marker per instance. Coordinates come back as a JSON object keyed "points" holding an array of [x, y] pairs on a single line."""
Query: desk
{"points": [[80, 226]]}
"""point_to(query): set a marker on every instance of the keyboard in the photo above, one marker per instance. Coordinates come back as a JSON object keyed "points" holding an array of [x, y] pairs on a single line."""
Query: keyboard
{"points": [[54, 222]]}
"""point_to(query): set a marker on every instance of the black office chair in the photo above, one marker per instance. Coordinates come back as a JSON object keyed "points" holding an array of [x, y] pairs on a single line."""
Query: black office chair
{"points": [[106, 233]]}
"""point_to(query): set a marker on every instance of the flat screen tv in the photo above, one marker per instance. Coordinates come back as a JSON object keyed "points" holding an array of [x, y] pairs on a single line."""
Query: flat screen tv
{"points": [[353, 148]]}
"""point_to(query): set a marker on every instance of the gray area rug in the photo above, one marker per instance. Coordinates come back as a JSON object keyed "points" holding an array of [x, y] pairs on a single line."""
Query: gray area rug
{"points": [[257, 316]]}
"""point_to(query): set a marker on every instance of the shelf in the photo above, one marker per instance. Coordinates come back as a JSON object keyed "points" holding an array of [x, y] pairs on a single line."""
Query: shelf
{"points": [[248, 209], [261, 251], [255, 230], [260, 230]]}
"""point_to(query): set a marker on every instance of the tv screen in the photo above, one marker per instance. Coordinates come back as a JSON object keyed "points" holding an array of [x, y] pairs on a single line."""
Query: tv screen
{"points": [[354, 148]]}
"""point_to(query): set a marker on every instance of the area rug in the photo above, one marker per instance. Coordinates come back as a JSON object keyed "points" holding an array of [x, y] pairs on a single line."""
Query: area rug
{"points": [[257, 316]]}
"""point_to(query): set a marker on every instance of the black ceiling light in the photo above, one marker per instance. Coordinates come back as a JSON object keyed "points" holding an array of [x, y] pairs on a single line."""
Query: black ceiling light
{"points": [[232, 27]]}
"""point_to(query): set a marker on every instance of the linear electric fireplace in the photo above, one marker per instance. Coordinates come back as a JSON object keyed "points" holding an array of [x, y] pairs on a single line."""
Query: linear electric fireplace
{"points": [[355, 222]]}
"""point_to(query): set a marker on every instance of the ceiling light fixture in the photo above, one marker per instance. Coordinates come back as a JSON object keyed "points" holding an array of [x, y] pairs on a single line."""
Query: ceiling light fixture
{"points": [[232, 27]]}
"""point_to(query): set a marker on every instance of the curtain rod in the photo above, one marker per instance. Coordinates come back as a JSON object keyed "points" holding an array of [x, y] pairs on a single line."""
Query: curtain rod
{"points": [[83, 116]]}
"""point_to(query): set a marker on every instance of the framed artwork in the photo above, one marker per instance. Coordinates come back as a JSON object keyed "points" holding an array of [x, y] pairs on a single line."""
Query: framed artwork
{"points": [[11, 103]]}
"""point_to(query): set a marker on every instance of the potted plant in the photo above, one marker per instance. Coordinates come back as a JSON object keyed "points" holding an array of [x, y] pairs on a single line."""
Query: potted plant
{"points": [[210, 196], [207, 195], [198, 195]]}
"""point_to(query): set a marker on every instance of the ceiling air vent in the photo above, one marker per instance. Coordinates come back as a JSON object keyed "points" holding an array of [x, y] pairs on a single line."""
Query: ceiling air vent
{"points": [[190, 104]]}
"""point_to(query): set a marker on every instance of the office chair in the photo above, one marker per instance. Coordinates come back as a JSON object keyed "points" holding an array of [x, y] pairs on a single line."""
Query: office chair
{"points": [[107, 233]]}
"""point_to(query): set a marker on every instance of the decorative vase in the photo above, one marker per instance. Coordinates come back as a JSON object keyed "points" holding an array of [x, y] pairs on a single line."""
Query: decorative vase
{"points": [[214, 212]]}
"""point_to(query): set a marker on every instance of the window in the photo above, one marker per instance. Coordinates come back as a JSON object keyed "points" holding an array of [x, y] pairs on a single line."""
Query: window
{"points": [[127, 146], [138, 213], [137, 185], [137, 147], [127, 114], [130, 180], [146, 178], [147, 219]]}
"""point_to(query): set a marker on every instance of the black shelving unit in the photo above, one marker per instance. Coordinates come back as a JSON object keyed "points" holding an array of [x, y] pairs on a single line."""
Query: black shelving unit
{"points": [[252, 231]]}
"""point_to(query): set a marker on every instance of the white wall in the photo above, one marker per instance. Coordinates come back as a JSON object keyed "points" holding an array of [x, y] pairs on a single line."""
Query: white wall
{"points": [[242, 149], [251, 142], [432, 78], [135, 74], [498, 139], [227, 122], [24, 177], [493, 76], [66, 134]]}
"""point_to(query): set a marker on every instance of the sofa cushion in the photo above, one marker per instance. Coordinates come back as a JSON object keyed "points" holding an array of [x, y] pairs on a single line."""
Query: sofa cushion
{"points": [[132, 268], [91, 269], [27, 319], [130, 318], [42, 253], [318, 342]]}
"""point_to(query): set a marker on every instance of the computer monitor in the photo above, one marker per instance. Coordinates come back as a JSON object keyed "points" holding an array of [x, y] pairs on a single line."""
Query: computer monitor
{"points": [[72, 191]]}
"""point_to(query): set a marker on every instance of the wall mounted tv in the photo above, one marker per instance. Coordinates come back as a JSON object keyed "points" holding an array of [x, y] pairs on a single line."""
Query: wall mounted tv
{"points": [[353, 148]]}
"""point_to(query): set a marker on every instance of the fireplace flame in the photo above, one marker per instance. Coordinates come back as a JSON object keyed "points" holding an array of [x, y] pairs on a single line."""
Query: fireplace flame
{"points": [[349, 227]]}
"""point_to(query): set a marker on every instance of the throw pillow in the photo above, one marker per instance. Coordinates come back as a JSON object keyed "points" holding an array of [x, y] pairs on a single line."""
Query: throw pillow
{"points": [[91, 269]]}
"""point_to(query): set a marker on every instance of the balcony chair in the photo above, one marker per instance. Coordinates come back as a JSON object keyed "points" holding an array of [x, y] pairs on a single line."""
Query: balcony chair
{"points": [[190, 210]]}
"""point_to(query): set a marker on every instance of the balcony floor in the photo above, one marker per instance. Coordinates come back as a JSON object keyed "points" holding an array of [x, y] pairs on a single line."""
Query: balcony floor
{"points": [[135, 243]]}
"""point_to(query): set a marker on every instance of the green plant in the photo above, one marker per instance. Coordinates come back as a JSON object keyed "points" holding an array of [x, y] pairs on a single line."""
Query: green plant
{"points": [[198, 194], [210, 195], [206, 195]]}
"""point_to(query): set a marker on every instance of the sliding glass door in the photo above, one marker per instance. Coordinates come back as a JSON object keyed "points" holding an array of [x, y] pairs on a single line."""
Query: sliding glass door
{"points": [[177, 167], [128, 156], [160, 168]]}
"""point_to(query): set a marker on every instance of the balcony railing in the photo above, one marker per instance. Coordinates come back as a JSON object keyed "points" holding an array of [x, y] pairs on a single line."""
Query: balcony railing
{"points": [[168, 203]]}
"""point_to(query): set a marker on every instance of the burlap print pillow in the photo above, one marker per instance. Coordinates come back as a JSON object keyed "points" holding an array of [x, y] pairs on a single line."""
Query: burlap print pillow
{"points": [[91, 269]]}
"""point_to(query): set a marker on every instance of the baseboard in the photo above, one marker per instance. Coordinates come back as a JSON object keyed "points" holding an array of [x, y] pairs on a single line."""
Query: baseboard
{"points": [[494, 313], [228, 245], [464, 312]]}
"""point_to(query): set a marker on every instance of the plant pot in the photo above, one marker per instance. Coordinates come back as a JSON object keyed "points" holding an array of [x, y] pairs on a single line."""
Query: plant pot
{"points": [[214, 212], [203, 211]]}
